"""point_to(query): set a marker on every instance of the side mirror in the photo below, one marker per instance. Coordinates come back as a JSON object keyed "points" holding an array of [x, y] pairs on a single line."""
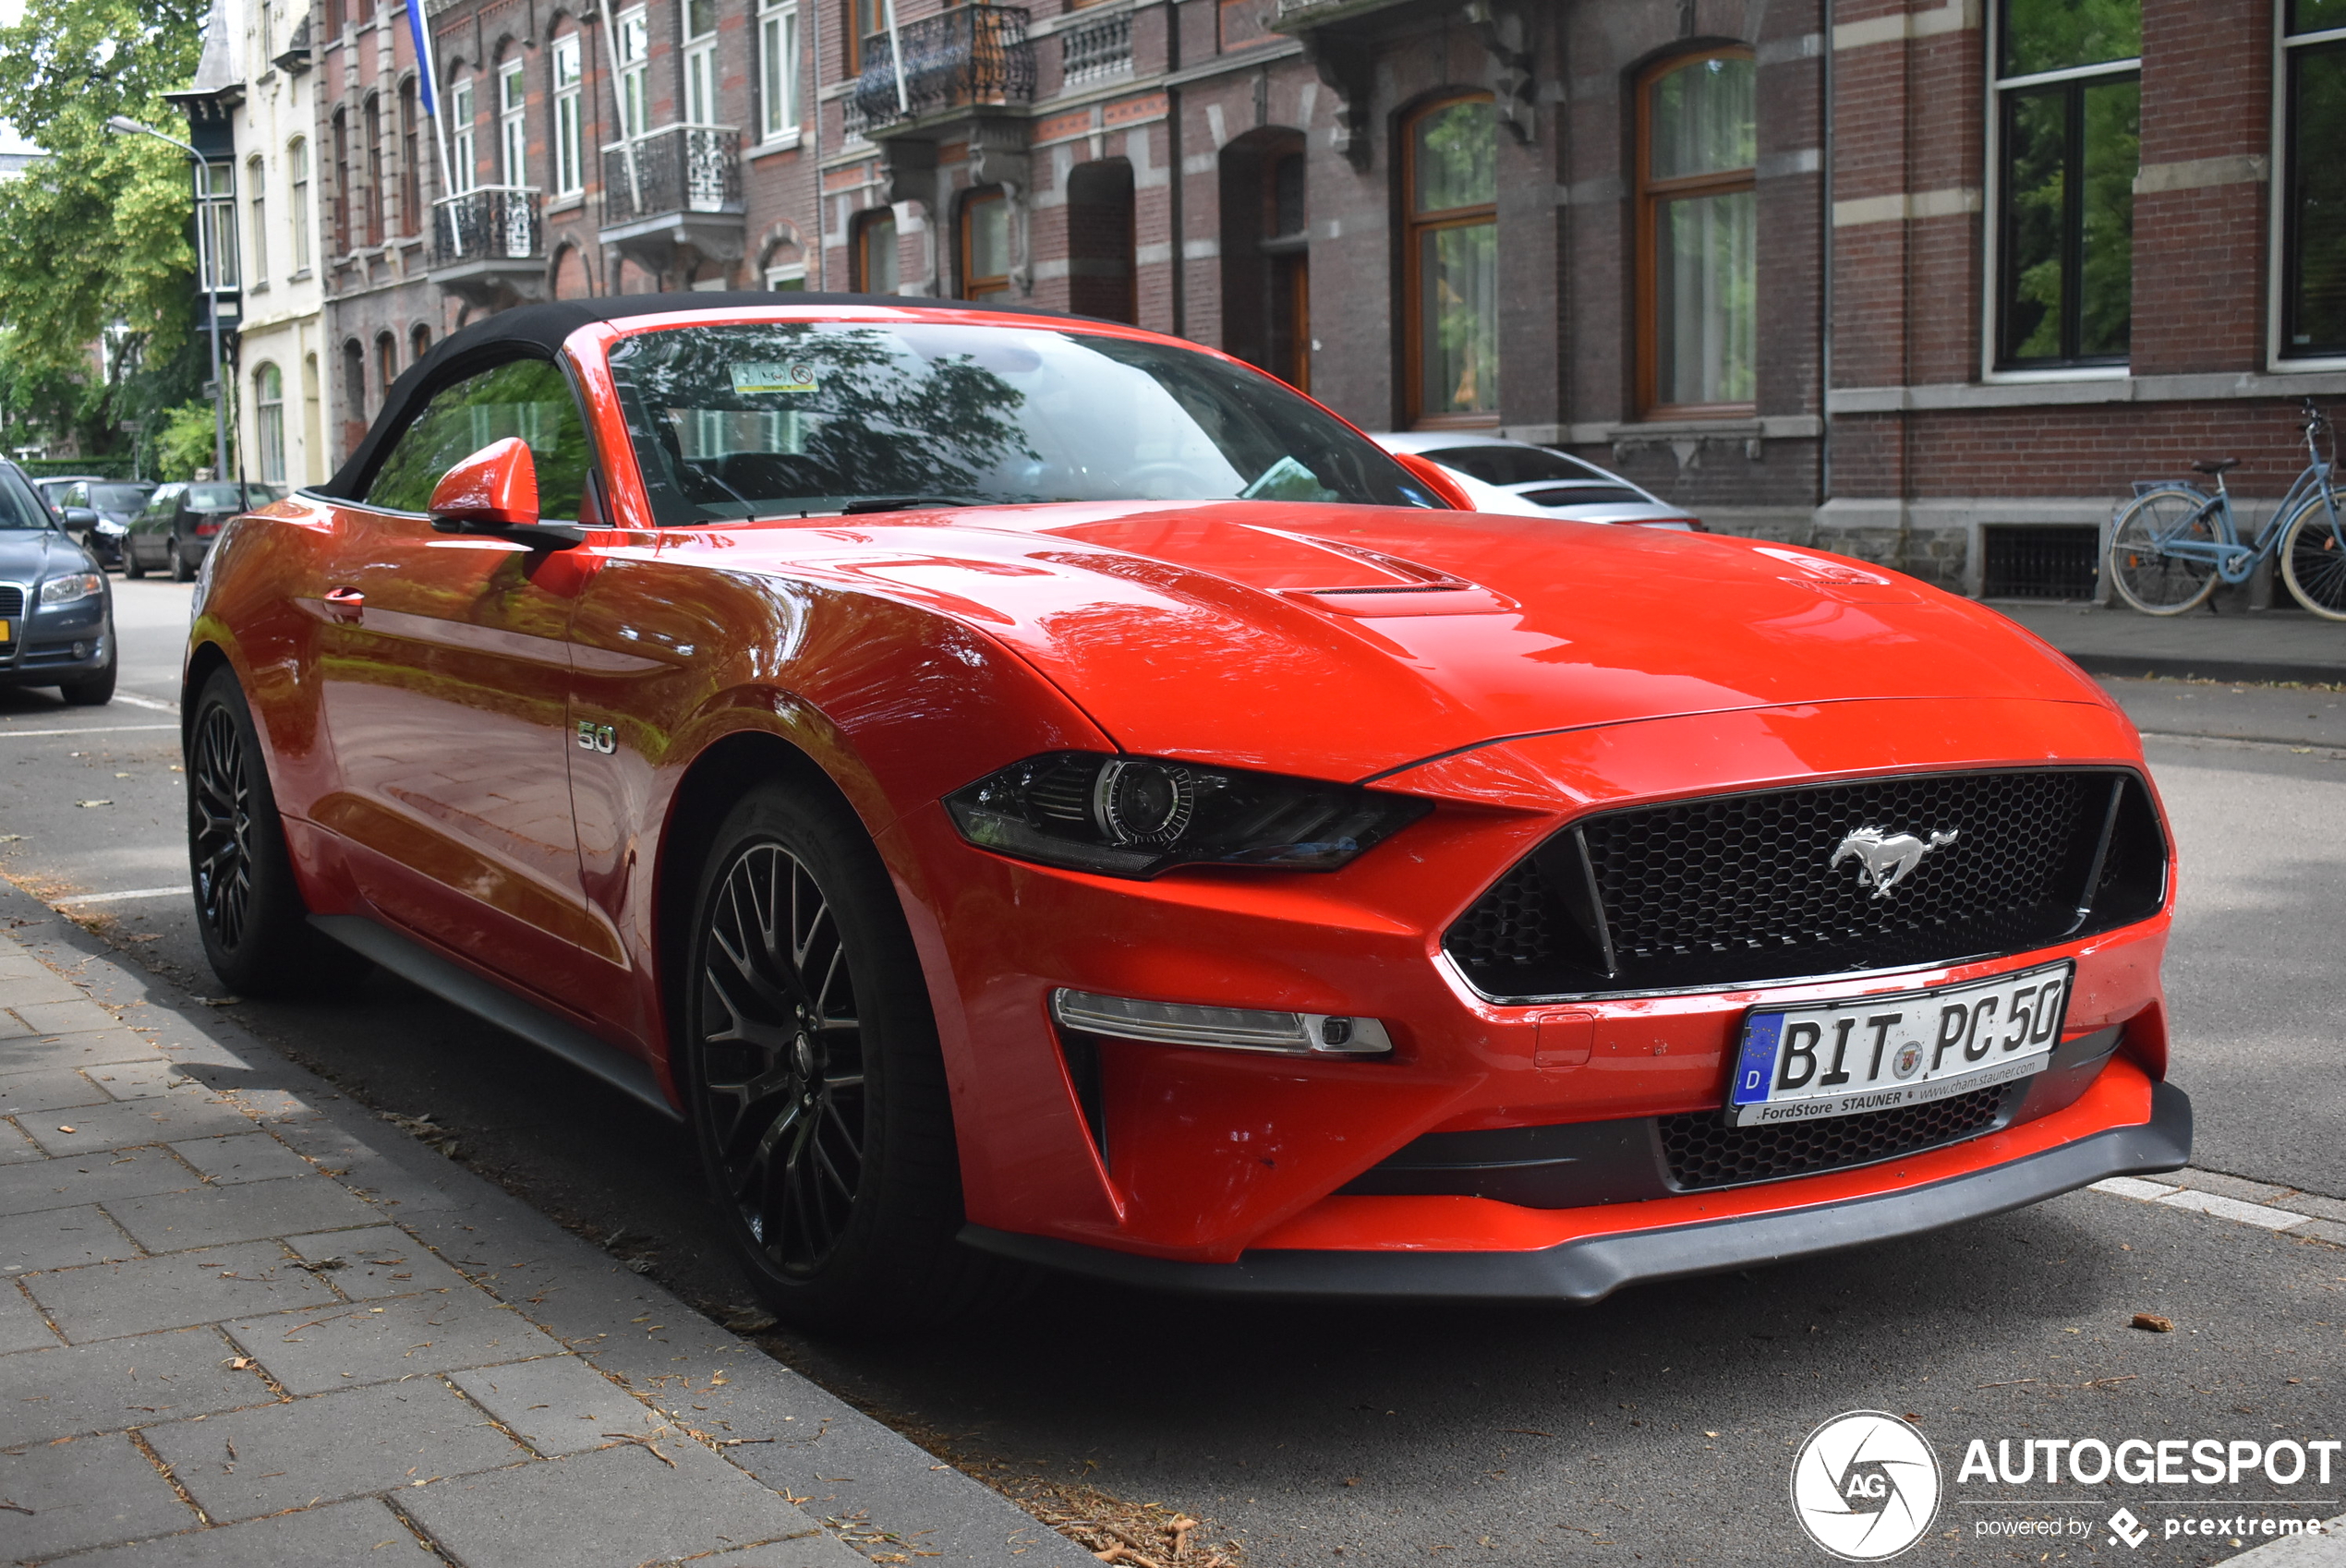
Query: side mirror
{"points": [[495, 487], [1435, 477], [80, 517]]}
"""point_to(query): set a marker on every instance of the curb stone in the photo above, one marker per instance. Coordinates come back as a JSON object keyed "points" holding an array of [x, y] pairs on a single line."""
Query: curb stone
{"points": [[2327, 1550], [2212, 1193], [758, 1420]]}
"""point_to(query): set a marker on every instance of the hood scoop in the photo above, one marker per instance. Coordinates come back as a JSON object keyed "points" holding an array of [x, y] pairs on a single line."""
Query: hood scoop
{"points": [[1443, 596], [1324, 573]]}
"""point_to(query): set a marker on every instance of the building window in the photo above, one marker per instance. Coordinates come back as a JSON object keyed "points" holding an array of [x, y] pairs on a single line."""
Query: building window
{"points": [[256, 189], [872, 252], [2313, 242], [634, 51], [216, 185], [386, 363], [778, 65], [460, 125], [786, 277], [411, 163], [864, 20], [373, 195], [2068, 109], [269, 407], [298, 172], [512, 123], [1697, 277], [419, 341], [700, 62], [985, 245], [569, 167], [1450, 262], [342, 182]]}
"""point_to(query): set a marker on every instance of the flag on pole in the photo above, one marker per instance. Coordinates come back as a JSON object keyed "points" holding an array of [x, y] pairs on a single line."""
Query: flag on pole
{"points": [[427, 78]]}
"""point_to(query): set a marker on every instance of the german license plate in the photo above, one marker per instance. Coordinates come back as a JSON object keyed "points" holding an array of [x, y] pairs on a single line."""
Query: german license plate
{"points": [[8, 633], [1878, 1053]]}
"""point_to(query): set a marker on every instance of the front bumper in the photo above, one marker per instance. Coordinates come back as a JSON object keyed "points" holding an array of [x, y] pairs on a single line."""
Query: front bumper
{"points": [[1590, 1268], [43, 653]]}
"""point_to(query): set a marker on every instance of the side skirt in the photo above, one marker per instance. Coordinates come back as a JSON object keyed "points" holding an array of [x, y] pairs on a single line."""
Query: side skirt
{"points": [[451, 982], [1587, 1271]]}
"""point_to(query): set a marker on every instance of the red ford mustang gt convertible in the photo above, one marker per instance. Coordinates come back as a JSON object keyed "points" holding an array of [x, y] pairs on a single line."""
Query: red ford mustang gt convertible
{"points": [[1027, 790]]}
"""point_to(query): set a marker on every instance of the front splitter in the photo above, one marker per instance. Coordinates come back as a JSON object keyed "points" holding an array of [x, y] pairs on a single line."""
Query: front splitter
{"points": [[1592, 1269]]}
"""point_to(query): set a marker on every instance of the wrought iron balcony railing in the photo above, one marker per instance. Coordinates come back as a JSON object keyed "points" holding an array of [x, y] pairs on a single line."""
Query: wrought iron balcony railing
{"points": [[1097, 52], [489, 222], [969, 55], [678, 168]]}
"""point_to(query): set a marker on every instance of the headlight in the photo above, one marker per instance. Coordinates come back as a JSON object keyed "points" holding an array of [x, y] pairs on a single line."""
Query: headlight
{"points": [[1136, 816], [73, 589], [111, 529]]}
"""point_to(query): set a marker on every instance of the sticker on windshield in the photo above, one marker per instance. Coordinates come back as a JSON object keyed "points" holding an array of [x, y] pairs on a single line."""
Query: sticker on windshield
{"points": [[794, 376]]}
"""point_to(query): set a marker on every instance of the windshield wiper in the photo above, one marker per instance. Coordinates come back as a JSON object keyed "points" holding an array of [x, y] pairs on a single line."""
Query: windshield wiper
{"points": [[905, 503]]}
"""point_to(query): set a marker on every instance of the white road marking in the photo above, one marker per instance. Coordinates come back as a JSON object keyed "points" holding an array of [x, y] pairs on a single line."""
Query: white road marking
{"points": [[119, 897], [135, 701], [6, 733], [2165, 1195]]}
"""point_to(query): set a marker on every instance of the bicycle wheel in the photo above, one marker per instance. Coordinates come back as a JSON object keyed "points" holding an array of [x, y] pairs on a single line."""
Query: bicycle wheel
{"points": [[2140, 568], [2313, 558]]}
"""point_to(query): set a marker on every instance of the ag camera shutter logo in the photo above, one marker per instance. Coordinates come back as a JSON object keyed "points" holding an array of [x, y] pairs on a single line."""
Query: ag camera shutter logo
{"points": [[1866, 1486]]}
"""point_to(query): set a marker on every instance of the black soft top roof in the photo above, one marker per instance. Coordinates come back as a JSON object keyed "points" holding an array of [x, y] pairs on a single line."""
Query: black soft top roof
{"points": [[538, 331]]}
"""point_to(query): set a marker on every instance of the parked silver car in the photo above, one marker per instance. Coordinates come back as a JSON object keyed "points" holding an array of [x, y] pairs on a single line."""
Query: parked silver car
{"points": [[1501, 476]]}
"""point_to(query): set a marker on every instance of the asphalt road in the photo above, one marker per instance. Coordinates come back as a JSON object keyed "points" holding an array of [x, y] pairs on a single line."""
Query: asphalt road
{"points": [[1657, 1427]]}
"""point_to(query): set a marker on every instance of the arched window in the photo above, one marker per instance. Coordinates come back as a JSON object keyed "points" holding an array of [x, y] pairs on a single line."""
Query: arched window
{"points": [[268, 409], [1450, 262], [354, 394], [419, 341], [1698, 232], [298, 174], [985, 245], [256, 198], [872, 252], [570, 176], [386, 362]]}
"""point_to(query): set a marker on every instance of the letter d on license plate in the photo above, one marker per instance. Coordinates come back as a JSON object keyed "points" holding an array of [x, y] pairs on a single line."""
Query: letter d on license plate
{"points": [[1907, 1048]]}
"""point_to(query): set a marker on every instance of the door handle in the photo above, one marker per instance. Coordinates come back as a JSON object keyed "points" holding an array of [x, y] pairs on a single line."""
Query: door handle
{"points": [[346, 604]]}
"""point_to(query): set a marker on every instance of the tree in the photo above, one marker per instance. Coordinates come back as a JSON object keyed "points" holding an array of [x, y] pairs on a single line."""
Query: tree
{"points": [[98, 234]]}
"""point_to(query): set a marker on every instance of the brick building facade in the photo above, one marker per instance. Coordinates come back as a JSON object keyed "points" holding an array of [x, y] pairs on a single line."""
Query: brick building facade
{"points": [[1889, 276]]}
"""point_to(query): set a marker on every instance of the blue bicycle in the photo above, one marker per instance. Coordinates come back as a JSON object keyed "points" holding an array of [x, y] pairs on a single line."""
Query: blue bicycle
{"points": [[2169, 548]]}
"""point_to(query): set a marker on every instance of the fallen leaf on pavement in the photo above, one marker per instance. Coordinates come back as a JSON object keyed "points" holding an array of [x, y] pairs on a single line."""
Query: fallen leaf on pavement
{"points": [[2151, 1323]]}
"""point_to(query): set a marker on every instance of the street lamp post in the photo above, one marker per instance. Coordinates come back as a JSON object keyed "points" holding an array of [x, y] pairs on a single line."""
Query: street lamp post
{"points": [[123, 125]]}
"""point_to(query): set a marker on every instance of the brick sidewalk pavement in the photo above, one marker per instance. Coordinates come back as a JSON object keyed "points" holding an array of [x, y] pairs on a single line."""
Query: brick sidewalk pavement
{"points": [[242, 1322]]}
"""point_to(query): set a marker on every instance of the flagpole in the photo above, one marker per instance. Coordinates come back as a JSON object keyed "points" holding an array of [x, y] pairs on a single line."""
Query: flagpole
{"points": [[896, 52], [429, 71]]}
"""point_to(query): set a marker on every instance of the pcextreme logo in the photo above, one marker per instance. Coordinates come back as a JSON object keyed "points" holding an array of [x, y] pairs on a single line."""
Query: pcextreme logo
{"points": [[1866, 1486]]}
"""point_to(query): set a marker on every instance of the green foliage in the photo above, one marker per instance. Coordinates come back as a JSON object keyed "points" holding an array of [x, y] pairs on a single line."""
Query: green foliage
{"points": [[98, 231], [184, 443], [2051, 35]]}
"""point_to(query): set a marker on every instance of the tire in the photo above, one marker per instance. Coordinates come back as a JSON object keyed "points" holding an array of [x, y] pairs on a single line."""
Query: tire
{"points": [[93, 691], [2143, 575], [2312, 559], [813, 1079], [248, 907], [132, 567], [181, 571]]}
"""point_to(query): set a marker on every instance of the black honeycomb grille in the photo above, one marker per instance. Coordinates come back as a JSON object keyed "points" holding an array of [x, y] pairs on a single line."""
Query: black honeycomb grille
{"points": [[1703, 1151], [1744, 887], [11, 600]]}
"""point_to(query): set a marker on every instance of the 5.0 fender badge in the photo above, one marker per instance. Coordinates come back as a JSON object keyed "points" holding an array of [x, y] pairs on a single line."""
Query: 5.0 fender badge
{"points": [[1884, 860], [594, 737]]}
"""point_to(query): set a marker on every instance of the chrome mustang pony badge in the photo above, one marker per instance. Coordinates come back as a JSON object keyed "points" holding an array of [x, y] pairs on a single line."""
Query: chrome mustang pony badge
{"points": [[1884, 860]]}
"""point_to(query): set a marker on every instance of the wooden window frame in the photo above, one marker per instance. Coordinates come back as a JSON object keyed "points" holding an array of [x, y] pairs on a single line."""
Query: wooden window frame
{"points": [[1653, 195], [859, 265], [994, 283], [1414, 226]]}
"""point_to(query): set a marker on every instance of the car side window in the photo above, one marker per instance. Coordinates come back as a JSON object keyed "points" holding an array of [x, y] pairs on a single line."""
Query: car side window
{"points": [[528, 398], [159, 509]]}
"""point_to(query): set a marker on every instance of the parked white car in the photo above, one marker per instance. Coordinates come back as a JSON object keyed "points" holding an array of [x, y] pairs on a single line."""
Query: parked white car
{"points": [[1533, 481]]}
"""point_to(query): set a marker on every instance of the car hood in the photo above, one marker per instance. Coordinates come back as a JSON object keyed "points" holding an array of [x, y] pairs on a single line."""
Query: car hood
{"points": [[1347, 642], [27, 555]]}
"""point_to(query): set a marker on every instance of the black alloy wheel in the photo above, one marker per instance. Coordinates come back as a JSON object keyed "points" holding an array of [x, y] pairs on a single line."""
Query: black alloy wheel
{"points": [[255, 928], [175, 558], [220, 824], [781, 1056], [810, 1068]]}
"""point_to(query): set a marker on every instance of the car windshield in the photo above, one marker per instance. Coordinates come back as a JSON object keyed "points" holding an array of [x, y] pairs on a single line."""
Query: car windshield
{"points": [[1517, 465], [118, 498], [20, 508], [778, 418], [222, 497]]}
